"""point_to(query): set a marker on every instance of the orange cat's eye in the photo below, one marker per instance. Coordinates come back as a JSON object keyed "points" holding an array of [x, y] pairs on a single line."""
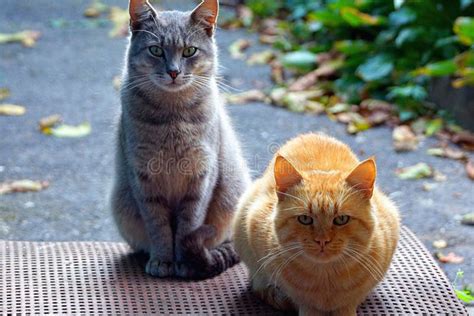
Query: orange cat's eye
{"points": [[341, 220], [305, 219]]}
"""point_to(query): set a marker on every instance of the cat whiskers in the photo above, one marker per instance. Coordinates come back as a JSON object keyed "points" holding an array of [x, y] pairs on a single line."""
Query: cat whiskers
{"points": [[274, 255], [370, 266], [204, 80], [277, 272]]}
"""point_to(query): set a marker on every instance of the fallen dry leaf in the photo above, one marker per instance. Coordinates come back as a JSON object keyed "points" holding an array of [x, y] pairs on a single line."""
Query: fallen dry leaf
{"points": [[468, 219], [22, 186], [300, 101], [269, 26], [449, 258], [447, 152], [339, 108], [49, 121], [440, 244], [465, 139], [261, 58], [246, 97], [439, 177], [308, 80], [28, 38], [268, 39], [95, 9], [236, 48], [120, 20], [359, 124], [404, 139], [374, 105], [429, 186], [378, 117], [470, 169], [245, 15], [4, 93], [69, 131], [117, 82], [277, 74], [12, 109], [418, 171]]}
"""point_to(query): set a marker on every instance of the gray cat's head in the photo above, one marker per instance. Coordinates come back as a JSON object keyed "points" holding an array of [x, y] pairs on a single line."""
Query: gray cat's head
{"points": [[171, 50]]}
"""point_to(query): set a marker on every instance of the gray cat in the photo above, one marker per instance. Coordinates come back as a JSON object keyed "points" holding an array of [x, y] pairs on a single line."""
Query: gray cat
{"points": [[179, 168]]}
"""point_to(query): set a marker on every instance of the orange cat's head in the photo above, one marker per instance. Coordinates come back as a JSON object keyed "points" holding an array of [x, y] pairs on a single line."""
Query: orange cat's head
{"points": [[326, 214]]}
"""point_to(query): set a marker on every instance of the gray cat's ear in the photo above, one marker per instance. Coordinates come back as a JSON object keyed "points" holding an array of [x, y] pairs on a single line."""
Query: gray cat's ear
{"points": [[206, 14], [139, 9]]}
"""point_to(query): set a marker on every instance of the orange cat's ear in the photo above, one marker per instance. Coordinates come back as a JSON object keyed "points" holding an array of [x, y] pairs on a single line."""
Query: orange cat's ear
{"points": [[136, 8], [363, 176], [206, 13], [285, 174]]}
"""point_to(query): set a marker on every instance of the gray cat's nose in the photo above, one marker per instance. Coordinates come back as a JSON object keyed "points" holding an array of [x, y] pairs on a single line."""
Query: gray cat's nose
{"points": [[174, 73]]}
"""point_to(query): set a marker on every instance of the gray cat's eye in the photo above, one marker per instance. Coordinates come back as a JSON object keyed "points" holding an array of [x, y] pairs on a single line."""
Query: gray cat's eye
{"points": [[156, 51], [189, 51], [305, 219], [341, 220]]}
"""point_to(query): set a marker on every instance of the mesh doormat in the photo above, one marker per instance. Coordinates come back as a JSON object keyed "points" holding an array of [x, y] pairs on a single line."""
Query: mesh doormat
{"points": [[102, 278]]}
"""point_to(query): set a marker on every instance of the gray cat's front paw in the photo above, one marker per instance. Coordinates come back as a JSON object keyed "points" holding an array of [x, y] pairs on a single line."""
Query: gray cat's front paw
{"points": [[158, 268]]}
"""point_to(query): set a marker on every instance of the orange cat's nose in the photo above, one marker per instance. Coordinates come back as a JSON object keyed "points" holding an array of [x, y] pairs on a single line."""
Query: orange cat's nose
{"points": [[322, 242]]}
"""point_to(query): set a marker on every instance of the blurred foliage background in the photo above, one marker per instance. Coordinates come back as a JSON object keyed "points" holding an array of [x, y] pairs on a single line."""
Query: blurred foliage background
{"points": [[386, 50]]}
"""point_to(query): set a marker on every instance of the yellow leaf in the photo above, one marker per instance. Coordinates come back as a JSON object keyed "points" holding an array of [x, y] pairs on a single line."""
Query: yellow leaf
{"points": [[12, 109], [95, 9], [22, 186], [64, 130], [120, 20], [27, 38], [261, 58], [46, 123], [236, 48]]}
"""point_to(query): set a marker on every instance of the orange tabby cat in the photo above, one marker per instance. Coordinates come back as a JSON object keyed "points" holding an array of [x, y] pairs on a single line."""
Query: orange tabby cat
{"points": [[314, 232]]}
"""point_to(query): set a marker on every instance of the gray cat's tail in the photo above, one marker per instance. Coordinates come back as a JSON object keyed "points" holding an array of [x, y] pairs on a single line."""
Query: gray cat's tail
{"points": [[206, 263]]}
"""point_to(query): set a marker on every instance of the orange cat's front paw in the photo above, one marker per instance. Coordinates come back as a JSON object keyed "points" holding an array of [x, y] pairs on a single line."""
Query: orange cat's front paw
{"points": [[275, 297]]}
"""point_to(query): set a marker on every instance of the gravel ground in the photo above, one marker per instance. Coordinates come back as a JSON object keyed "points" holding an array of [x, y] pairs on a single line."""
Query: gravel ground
{"points": [[70, 72]]}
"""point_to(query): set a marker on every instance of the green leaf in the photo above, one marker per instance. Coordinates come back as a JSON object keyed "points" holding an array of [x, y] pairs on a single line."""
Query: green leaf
{"points": [[356, 18], [398, 3], [375, 68], [64, 130], [441, 68], [326, 17], [401, 17], [433, 126], [407, 35], [464, 29], [301, 60], [410, 91], [464, 296], [466, 3], [418, 171], [350, 47]]}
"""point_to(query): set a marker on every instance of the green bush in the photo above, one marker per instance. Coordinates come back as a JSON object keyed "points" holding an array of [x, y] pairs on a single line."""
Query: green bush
{"points": [[390, 48]]}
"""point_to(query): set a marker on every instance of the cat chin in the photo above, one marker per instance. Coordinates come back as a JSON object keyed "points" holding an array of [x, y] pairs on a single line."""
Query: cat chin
{"points": [[322, 258], [173, 88]]}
